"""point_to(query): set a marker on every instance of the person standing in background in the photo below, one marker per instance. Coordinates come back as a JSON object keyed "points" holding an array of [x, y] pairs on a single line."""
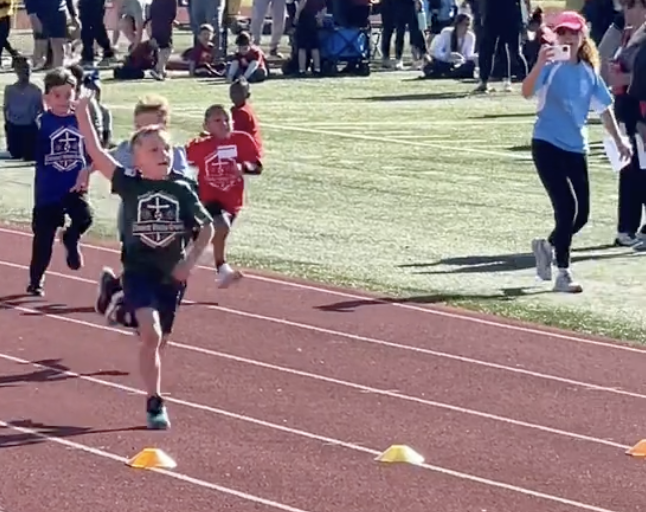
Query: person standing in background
{"points": [[278, 9], [49, 21], [7, 9], [502, 23], [92, 14]]}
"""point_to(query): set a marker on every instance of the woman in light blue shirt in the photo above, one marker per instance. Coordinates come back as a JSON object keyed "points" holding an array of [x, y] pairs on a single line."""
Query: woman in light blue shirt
{"points": [[567, 90]]}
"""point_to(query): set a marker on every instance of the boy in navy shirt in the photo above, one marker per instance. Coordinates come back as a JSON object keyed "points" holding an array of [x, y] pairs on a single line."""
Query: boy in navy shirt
{"points": [[60, 156]]}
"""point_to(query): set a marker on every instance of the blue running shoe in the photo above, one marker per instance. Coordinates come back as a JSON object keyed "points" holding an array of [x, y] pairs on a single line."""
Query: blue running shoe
{"points": [[156, 414]]}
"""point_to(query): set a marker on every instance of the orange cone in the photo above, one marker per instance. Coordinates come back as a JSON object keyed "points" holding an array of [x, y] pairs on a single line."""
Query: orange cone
{"points": [[150, 458], [639, 450]]}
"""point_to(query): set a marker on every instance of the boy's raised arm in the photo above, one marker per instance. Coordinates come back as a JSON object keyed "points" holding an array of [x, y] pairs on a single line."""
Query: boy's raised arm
{"points": [[102, 161]]}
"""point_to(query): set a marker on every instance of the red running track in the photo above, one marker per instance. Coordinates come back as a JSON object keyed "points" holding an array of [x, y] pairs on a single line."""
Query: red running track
{"points": [[281, 396]]}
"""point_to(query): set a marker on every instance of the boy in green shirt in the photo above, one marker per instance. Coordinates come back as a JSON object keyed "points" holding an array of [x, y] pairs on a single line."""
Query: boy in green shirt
{"points": [[160, 214]]}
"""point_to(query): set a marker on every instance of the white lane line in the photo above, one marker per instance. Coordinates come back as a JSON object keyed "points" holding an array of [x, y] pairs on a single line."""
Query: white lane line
{"points": [[314, 437], [338, 382], [373, 341], [426, 310], [122, 460]]}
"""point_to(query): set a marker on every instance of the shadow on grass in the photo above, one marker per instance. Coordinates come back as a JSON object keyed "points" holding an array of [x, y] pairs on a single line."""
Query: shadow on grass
{"points": [[502, 262], [423, 96], [54, 371], [11, 438], [522, 148], [503, 294], [505, 115]]}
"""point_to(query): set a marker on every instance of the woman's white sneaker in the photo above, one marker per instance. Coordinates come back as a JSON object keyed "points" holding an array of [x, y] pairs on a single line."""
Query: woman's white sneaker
{"points": [[566, 283], [543, 255]]}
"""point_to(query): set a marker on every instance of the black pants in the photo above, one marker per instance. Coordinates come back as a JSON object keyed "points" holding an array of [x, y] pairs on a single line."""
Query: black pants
{"points": [[442, 69], [91, 14], [496, 33], [564, 175], [5, 29], [396, 15], [632, 196], [21, 140], [46, 220]]}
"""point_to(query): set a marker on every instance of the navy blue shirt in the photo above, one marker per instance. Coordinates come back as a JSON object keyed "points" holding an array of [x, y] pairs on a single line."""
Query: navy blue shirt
{"points": [[42, 7], [60, 156]]}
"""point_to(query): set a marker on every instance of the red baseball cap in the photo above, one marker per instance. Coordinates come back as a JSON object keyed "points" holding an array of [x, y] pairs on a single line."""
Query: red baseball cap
{"points": [[570, 20]]}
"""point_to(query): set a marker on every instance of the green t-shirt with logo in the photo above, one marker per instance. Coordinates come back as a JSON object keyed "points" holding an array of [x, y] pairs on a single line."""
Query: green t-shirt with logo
{"points": [[158, 219]]}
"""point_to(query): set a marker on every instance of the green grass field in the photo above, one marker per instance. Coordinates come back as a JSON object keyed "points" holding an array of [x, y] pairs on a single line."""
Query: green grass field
{"points": [[404, 186]]}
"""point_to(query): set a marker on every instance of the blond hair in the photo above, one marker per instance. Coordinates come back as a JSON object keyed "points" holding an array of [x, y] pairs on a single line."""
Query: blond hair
{"points": [[589, 53], [147, 131], [153, 104]]}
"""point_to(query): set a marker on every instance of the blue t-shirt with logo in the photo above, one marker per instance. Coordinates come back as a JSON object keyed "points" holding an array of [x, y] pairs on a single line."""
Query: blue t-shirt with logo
{"points": [[566, 93], [60, 156]]}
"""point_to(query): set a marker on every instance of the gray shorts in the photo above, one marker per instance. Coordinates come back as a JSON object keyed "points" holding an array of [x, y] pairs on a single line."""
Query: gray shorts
{"points": [[135, 9]]}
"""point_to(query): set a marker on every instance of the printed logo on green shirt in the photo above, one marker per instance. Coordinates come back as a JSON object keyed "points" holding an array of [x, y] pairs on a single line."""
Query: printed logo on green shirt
{"points": [[158, 221]]}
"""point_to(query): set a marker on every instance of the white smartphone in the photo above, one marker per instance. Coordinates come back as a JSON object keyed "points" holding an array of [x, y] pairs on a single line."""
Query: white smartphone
{"points": [[561, 52]]}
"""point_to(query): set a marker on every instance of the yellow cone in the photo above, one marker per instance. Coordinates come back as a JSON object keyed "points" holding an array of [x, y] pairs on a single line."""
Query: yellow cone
{"points": [[401, 453], [152, 458], [639, 450]]}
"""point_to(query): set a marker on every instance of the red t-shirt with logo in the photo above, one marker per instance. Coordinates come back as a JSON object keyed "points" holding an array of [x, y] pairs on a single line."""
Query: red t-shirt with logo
{"points": [[245, 120], [201, 55], [254, 53], [219, 179]]}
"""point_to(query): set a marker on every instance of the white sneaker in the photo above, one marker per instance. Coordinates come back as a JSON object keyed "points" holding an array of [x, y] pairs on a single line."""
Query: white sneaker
{"points": [[626, 240], [543, 254], [399, 65], [227, 276], [506, 86], [565, 283]]}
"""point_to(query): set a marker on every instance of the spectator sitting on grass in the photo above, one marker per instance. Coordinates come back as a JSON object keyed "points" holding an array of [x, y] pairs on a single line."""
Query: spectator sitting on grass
{"points": [[200, 57], [142, 58], [23, 103], [248, 61], [453, 51]]}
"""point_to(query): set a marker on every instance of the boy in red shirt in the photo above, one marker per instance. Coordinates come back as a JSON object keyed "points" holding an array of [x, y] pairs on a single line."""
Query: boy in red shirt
{"points": [[248, 62], [200, 57], [223, 158], [243, 115]]}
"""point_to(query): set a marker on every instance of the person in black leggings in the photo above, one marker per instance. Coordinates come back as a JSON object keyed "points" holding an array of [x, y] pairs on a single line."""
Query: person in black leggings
{"points": [[567, 90], [396, 15], [502, 24]]}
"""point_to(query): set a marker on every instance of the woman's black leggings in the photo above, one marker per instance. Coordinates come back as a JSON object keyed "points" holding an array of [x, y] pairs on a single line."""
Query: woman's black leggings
{"points": [[5, 29], [395, 17], [564, 175], [632, 196], [494, 34]]}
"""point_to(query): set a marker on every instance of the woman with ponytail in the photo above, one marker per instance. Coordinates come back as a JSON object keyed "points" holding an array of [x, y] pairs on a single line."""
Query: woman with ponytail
{"points": [[568, 84]]}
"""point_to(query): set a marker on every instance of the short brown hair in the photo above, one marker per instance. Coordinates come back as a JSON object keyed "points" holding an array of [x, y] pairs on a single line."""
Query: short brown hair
{"points": [[243, 39], [217, 108], [58, 77], [153, 103]]}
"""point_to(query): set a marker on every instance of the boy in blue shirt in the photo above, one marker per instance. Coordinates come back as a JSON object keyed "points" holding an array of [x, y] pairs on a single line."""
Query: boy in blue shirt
{"points": [[60, 157]]}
